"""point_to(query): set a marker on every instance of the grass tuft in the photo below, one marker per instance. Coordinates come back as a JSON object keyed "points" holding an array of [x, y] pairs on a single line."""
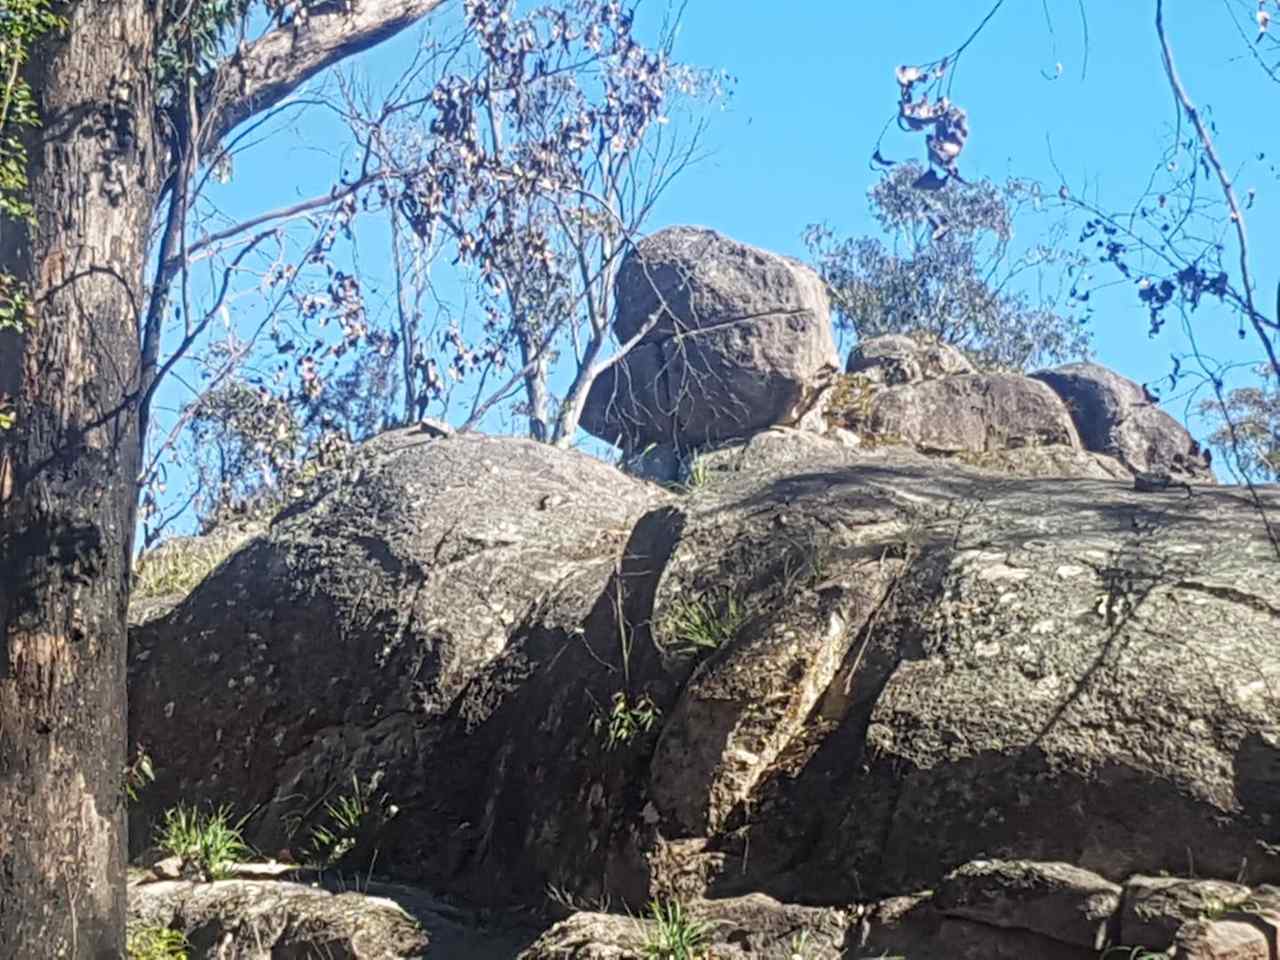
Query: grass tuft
{"points": [[703, 624], [344, 819], [210, 841], [675, 935], [178, 566]]}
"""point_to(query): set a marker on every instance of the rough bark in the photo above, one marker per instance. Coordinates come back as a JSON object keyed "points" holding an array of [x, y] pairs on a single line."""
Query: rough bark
{"points": [[67, 510], [68, 471]]}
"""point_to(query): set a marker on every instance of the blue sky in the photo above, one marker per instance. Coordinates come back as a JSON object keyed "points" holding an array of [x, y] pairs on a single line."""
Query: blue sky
{"points": [[816, 86], [814, 89]]}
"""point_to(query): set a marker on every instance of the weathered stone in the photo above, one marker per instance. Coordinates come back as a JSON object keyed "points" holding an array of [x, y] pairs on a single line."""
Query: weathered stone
{"points": [[1154, 908], [1056, 900], [923, 664], [742, 928], [971, 414], [742, 341], [259, 920], [339, 643], [592, 936], [1115, 417], [1223, 940], [896, 359], [168, 868], [913, 927], [434, 428], [1051, 461], [976, 713]]}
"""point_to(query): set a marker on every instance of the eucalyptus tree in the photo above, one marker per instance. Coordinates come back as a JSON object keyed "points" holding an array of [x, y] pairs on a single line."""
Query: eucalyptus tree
{"points": [[947, 267], [135, 100], [536, 159]]}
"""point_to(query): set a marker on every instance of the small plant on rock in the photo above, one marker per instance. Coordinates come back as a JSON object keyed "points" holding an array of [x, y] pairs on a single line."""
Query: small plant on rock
{"points": [[209, 841], [699, 476], [345, 819], [138, 774], [148, 942], [627, 719], [675, 935], [704, 623], [799, 948]]}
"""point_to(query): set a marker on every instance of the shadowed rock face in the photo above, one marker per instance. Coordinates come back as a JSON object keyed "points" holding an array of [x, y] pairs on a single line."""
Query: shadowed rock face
{"points": [[915, 664], [742, 341], [341, 639], [1115, 417]]}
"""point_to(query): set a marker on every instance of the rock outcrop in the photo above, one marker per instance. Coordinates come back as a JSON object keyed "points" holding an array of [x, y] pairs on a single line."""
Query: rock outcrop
{"points": [[1080, 420], [863, 668], [263, 919], [968, 414], [908, 662], [733, 339], [340, 641], [740, 928], [984, 909]]}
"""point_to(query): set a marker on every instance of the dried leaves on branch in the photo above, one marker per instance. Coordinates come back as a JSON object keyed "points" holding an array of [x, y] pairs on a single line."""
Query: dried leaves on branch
{"points": [[536, 161], [948, 268], [512, 165]]}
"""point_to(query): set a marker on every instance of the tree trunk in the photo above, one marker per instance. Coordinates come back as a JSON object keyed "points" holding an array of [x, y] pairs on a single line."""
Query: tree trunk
{"points": [[67, 484]]}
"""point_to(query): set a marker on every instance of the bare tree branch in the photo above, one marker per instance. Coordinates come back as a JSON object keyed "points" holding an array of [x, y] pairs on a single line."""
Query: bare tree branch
{"points": [[1256, 319], [281, 213], [266, 71]]}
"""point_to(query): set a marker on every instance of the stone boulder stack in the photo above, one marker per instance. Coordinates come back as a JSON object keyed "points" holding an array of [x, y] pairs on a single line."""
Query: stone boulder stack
{"points": [[825, 675], [915, 392], [732, 340]]}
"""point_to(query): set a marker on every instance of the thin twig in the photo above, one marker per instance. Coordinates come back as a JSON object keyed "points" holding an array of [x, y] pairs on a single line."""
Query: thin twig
{"points": [[1256, 319]]}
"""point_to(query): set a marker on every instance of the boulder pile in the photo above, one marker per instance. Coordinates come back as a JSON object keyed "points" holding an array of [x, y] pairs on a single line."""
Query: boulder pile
{"points": [[726, 340]]}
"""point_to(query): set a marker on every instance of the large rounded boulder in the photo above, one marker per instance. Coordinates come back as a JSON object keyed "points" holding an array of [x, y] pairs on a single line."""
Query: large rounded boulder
{"points": [[335, 644], [1117, 417], [732, 339]]}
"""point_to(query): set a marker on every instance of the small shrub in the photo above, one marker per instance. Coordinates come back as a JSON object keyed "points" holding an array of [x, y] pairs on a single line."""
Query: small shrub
{"points": [[155, 943], [675, 935], [626, 720], [208, 840], [703, 624], [1133, 953]]}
